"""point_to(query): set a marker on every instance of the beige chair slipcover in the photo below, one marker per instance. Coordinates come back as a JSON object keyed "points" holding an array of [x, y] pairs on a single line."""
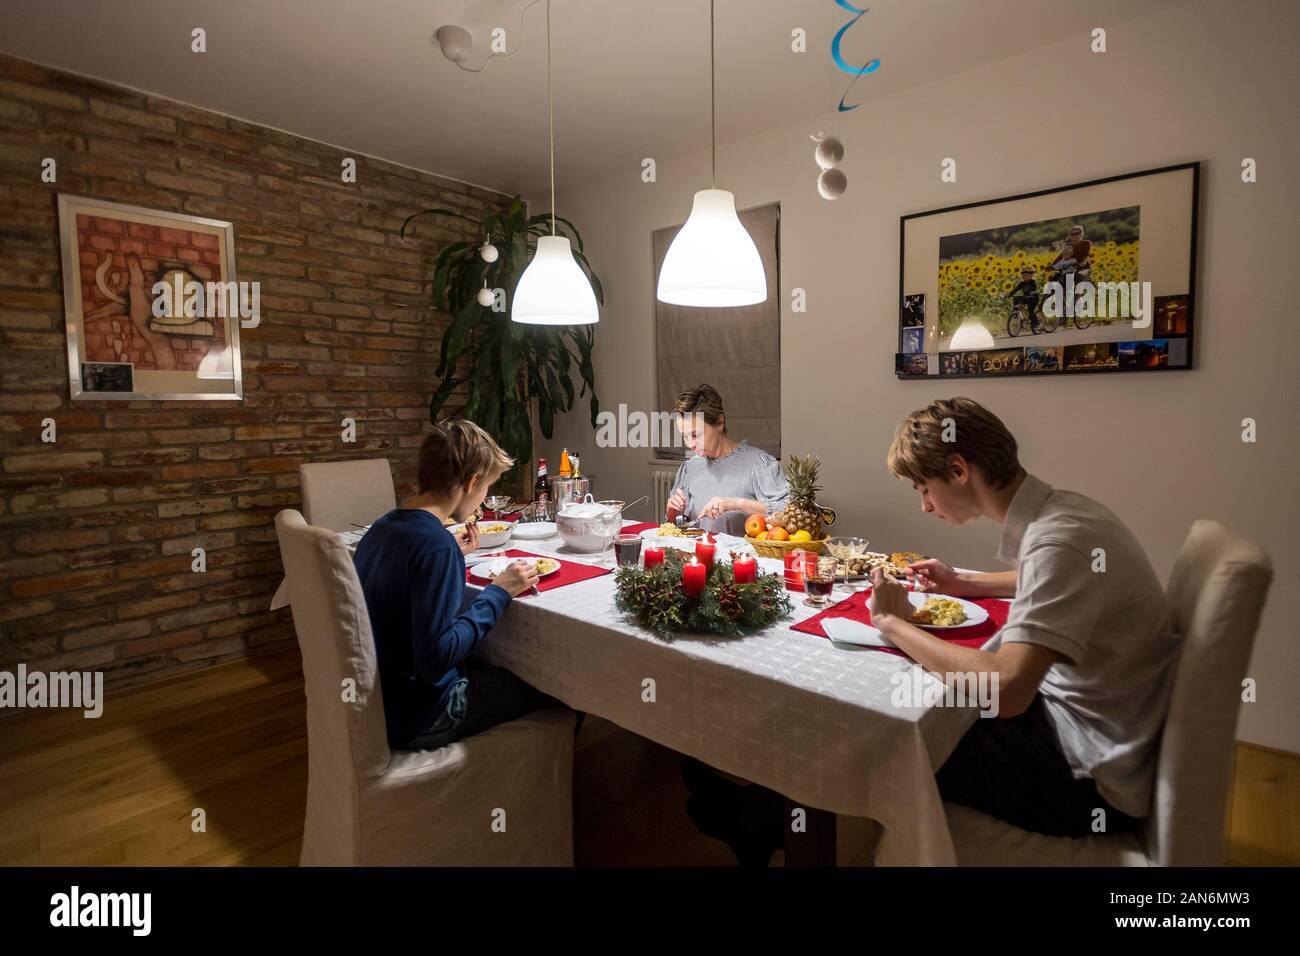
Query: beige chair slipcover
{"points": [[1217, 592], [502, 797]]}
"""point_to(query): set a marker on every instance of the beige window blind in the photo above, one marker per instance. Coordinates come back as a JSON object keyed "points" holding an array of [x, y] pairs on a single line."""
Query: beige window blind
{"points": [[737, 351]]}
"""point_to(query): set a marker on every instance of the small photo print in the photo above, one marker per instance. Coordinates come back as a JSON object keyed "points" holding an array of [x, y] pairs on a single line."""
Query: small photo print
{"points": [[959, 363], [1001, 361], [1047, 359], [1178, 353], [1095, 355], [913, 341], [917, 364], [107, 377], [914, 310], [1171, 315], [1152, 353]]}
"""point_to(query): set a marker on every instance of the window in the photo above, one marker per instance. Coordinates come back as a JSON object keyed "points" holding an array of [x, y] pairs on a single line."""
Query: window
{"points": [[737, 351]]}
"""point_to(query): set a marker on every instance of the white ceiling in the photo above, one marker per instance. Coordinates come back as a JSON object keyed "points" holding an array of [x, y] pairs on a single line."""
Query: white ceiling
{"points": [[630, 76]]}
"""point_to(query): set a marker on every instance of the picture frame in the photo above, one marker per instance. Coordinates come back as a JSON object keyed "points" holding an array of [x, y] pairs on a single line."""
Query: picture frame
{"points": [[1109, 263], [143, 322]]}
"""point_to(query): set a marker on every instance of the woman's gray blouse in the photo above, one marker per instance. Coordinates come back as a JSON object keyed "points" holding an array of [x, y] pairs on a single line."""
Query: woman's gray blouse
{"points": [[745, 472]]}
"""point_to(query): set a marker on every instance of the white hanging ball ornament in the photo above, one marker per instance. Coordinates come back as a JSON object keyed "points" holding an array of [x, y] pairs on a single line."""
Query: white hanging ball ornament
{"points": [[488, 252], [455, 41], [832, 183], [485, 296], [829, 153]]}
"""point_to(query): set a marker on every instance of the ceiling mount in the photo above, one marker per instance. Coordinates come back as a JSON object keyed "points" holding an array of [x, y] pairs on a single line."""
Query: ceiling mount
{"points": [[457, 43]]}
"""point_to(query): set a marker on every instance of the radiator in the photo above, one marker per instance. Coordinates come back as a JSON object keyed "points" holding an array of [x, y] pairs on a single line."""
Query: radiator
{"points": [[663, 489]]}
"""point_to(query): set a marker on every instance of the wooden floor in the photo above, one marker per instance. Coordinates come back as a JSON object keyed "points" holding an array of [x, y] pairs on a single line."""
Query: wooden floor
{"points": [[231, 740]]}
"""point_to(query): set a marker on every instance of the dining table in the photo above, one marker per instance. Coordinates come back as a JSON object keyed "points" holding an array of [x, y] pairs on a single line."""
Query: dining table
{"points": [[809, 718]]}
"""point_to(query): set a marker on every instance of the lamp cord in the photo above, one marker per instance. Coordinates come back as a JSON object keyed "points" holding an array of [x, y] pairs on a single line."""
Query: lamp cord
{"points": [[550, 110], [713, 100]]}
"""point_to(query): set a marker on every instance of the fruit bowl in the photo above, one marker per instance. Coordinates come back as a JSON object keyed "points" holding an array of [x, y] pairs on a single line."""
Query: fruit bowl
{"points": [[779, 549]]}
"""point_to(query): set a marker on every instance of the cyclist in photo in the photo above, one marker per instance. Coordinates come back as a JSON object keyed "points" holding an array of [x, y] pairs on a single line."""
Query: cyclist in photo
{"points": [[1076, 252], [1026, 294]]}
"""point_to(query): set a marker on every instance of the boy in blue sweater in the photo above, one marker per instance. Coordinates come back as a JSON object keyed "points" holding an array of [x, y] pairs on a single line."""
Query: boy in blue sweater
{"points": [[412, 571]]}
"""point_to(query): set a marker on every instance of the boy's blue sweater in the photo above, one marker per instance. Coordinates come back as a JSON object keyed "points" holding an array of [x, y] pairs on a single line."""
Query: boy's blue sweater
{"points": [[413, 576]]}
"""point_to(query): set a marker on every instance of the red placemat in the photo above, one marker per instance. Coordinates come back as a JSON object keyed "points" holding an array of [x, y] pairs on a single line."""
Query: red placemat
{"points": [[571, 572], [639, 527], [509, 517], [854, 608]]}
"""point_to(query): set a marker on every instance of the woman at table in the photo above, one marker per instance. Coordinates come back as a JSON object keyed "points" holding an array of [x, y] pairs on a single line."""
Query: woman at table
{"points": [[728, 479]]}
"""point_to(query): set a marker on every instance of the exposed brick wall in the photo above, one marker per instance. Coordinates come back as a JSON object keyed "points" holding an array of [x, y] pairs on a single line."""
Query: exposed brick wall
{"points": [[96, 530]]}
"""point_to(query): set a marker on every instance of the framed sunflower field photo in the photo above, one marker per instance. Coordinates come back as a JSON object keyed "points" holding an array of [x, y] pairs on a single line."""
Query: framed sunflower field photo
{"points": [[1093, 277]]}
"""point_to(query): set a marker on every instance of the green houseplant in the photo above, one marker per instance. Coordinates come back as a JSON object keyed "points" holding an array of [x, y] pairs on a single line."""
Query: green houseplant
{"points": [[504, 365]]}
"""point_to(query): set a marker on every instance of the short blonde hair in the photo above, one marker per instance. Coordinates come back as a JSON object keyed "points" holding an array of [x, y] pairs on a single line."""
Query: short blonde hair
{"points": [[454, 452], [920, 453]]}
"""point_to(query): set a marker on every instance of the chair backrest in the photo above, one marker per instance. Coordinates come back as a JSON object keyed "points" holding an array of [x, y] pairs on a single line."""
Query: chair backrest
{"points": [[335, 494], [1216, 592], [346, 738]]}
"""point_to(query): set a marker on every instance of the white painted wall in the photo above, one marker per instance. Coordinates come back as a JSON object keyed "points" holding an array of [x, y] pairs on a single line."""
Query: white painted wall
{"points": [[1208, 81]]}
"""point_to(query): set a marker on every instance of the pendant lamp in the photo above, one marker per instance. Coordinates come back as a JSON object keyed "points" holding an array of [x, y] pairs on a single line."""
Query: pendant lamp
{"points": [[553, 289], [712, 261]]}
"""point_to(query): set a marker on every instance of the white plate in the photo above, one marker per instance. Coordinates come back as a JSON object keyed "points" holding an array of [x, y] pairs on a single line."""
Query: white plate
{"points": [[974, 613], [652, 536], [494, 540], [534, 530], [488, 570]]}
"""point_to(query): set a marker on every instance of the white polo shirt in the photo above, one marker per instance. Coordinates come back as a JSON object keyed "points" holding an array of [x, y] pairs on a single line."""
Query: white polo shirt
{"points": [[1109, 695]]}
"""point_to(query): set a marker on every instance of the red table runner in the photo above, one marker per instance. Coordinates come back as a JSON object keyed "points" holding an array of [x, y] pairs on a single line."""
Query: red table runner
{"points": [[639, 527], [854, 608], [510, 517], [571, 572]]}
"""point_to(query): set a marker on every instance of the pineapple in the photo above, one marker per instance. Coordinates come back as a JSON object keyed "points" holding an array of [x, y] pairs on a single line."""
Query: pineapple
{"points": [[803, 513]]}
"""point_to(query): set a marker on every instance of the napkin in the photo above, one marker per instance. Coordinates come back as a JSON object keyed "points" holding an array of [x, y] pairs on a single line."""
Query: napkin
{"points": [[846, 631]]}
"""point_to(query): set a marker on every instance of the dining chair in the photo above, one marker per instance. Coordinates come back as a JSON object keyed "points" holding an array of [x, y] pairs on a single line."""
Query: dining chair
{"points": [[499, 798], [1216, 592], [342, 494]]}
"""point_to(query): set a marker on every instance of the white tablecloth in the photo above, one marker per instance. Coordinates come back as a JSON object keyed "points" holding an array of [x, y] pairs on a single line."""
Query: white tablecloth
{"points": [[792, 711]]}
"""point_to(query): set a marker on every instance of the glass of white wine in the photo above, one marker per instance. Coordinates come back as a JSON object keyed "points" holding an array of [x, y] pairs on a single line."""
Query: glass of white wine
{"points": [[846, 549]]}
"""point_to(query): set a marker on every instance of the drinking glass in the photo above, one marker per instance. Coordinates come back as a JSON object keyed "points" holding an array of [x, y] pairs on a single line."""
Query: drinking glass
{"points": [[846, 549], [819, 580], [627, 549], [497, 503], [606, 524], [538, 511]]}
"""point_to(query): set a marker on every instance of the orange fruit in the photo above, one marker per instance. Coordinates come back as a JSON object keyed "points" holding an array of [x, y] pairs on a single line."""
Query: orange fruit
{"points": [[761, 536], [779, 534], [754, 525]]}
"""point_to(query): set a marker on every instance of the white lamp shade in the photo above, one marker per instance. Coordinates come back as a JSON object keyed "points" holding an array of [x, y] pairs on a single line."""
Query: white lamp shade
{"points": [[971, 334], [553, 289], [712, 262]]}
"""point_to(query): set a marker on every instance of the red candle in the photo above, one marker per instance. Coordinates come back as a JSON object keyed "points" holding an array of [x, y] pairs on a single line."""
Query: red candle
{"points": [[653, 556], [745, 568], [693, 575], [704, 551], [794, 569]]}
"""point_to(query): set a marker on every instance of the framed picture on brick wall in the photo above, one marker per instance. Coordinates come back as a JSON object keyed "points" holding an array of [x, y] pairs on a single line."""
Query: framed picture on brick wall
{"points": [[152, 304]]}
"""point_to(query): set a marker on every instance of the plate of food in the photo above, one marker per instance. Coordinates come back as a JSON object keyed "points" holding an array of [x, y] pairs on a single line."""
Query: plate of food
{"points": [[488, 570], [491, 534], [860, 568], [668, 533], [940, 612]]}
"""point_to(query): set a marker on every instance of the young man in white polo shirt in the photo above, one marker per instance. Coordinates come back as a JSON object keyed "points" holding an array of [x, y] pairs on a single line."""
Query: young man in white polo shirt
{"points": [[1086, 659]]}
